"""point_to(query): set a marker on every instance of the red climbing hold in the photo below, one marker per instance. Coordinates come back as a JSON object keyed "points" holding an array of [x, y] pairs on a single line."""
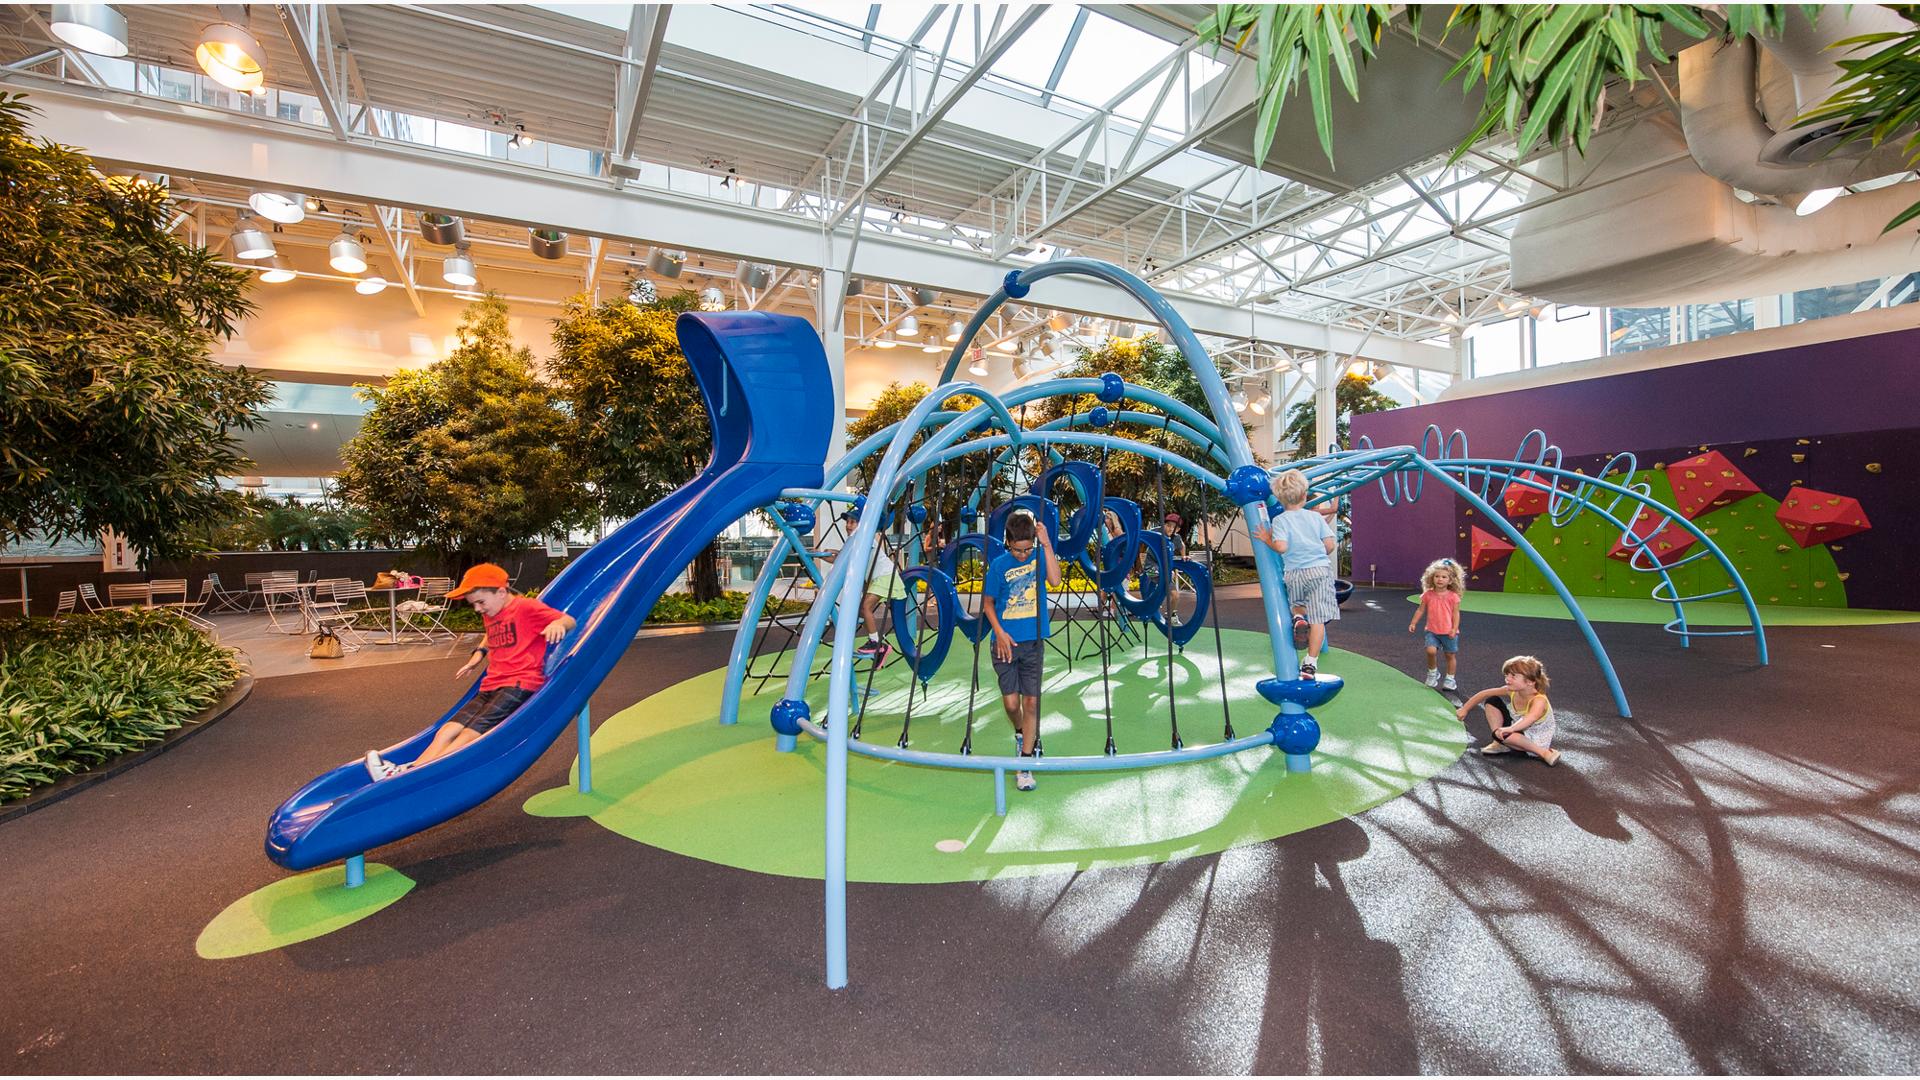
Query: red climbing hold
{"points": [[1816, 517], [1707, 482], [1488, 548]]}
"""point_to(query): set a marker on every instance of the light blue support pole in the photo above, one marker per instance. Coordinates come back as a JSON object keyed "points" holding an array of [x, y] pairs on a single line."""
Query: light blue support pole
{"points": [[1000, 793], [356, 871], [584, 724]]}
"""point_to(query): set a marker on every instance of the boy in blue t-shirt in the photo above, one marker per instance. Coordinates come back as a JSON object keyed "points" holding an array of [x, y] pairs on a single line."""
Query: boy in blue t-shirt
{"points": [[1305, 542], [1014, 600]]}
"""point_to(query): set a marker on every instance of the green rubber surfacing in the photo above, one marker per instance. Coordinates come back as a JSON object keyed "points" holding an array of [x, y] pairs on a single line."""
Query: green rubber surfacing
{"points": [[668, 775], [299, 908]]}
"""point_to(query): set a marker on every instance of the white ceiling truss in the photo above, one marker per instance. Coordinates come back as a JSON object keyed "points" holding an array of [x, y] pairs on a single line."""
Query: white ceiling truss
{"points": [[979, 134]]}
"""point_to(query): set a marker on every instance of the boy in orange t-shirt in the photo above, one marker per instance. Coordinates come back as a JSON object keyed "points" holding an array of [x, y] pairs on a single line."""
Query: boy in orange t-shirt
{"points": [[519, 629]]}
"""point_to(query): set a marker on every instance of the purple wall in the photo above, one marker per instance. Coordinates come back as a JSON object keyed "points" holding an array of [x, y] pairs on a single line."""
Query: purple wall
{"points": [[1869, 384]]}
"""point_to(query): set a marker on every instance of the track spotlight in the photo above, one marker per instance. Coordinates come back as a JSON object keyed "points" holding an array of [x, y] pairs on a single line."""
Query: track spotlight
{"points": [[458, 268], [248, 241], [345, 253], [94, 28], [314, 205], [281, 207], [1258, 406], [231, 57], [547, 243]]}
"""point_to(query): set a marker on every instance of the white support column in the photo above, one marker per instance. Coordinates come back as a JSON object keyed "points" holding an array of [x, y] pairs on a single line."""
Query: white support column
{"points": [[832, 297], [1767, 311], [1326, 375], [1276, 411]]}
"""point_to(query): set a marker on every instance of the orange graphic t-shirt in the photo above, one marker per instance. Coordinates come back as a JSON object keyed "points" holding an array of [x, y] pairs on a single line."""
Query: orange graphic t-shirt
{"points": [[516, 653]]}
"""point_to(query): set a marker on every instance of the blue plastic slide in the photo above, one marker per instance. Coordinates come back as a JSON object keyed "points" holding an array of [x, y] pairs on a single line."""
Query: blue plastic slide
{"points": [[769, 395]]}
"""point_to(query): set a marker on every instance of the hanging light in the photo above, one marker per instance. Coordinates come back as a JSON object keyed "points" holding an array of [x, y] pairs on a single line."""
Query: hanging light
{"points": [[249, 242], [371, 285], [979, 364], [547, 243], [885, 342], [519, 137], [441, 229], [955, 329], [1258, 406], [314, 205], [458, 267], [94, 28], [712, 299], [1009, 345], [282, 207], [1239, 401], [930, 346], [641, 292], [666, 263], [752, 276], [275, 274], [909, 327], [231, 57], [345, 253]]}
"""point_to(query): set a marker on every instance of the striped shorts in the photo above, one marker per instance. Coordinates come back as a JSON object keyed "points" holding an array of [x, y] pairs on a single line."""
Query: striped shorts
{"points": [[1312, 588]]}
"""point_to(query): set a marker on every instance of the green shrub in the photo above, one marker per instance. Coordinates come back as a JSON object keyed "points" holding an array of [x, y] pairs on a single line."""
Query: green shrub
{"points": [[79, 690], [671, 608]]}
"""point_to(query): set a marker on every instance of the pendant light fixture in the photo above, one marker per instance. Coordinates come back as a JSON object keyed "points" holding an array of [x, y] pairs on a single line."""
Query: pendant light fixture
{"points": [[885, 341], [280, 207], [666, 263], [441, 229], [94, 28], [928, 346], [955, 329], [276, 273], [547, 243], [1239, 401], [712, 299], [641, 293], [458, 268], [248, 241], [371, 285], [909, 327], [979, 364], [231, 57], [346, 254]]}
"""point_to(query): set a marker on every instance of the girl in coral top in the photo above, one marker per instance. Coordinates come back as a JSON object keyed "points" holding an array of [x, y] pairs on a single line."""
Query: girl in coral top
{"points": [[1441, 587]]}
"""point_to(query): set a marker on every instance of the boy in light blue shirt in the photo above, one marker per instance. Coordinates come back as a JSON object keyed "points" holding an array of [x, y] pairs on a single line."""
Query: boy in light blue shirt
{"points": [[1305, 542]]}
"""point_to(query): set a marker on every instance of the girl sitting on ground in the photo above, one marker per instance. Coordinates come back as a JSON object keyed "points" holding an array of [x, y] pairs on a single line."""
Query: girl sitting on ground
{"points": [[1527, 724]]}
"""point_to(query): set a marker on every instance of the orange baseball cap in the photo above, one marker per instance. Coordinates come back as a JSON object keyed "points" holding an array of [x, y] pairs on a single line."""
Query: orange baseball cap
{"points": [[484, 576]]}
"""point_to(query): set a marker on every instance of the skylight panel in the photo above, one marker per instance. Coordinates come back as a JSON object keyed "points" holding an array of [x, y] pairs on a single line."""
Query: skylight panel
{"points": [[1107, 57]]}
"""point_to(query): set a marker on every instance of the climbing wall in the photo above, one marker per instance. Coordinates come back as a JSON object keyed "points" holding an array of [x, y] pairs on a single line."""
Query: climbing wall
{"points": [[1810, 522]]}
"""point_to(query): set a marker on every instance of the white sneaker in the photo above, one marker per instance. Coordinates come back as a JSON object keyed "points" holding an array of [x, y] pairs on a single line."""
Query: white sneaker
{"points": [[379, 768], [1448, 684], [1433, 676], [1023, 780]]}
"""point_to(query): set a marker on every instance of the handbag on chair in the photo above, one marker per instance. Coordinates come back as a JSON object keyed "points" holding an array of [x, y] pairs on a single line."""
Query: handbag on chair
{"points": [[326, 646]]}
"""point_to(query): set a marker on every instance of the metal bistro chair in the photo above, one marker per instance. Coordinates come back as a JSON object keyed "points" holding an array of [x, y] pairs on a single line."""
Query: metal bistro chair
{"points": [[167, 592], [284, 602], [340, 616], [91, 598], [225, 599], [430, 617], [69, 598], [134, 595], [325, 599]]}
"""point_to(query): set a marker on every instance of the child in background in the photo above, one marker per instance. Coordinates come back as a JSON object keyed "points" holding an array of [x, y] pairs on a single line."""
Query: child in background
{"points": [[1528, 724], [519, 629], [1441, 587], [1014, 601], [1305, 542]]}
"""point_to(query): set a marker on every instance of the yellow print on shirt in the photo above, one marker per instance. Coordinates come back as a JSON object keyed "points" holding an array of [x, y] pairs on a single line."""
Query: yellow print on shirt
{"points": [[1023, 593]]}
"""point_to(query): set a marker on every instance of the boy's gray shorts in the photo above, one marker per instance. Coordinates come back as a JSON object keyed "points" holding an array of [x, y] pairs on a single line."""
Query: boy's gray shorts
{"points": [[1312, 588], [1021, 675]]}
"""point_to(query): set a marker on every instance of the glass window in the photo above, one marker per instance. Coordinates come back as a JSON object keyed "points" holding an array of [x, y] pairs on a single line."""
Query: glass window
{"points": [[1496, 347], [1569, 334], [1724, 317], [1634, 329], [1847, 299]]}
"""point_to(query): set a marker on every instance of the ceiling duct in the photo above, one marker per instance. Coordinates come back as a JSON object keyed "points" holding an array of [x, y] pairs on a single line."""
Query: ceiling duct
{"points": [[1703, 209], [549, 244], [1652, 228], [1734, 143], [444, 229]]}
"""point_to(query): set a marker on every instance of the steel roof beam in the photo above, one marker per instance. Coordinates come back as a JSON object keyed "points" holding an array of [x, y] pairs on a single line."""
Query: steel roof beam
{"points": [[937, 111], [646, 32], [310, 44]]}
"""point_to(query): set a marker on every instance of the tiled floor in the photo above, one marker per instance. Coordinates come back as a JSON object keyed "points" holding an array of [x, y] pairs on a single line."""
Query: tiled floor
{"points": [[272, 653]]}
